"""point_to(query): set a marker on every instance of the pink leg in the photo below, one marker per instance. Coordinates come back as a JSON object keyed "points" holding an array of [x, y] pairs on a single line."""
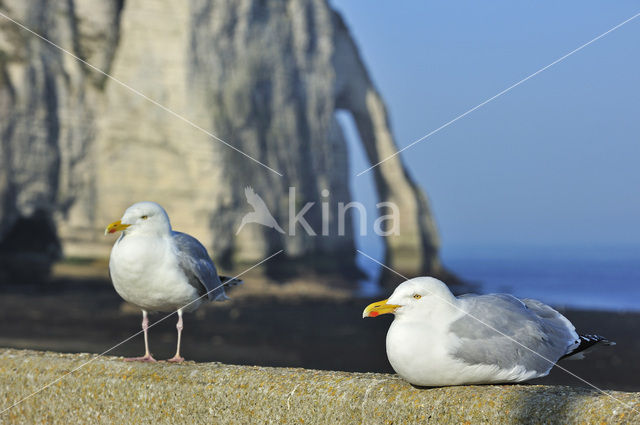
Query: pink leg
{"points": [[147, 355], [177, 358]]}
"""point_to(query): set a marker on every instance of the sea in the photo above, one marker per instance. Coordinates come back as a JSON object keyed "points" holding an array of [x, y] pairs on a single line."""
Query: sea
{"points": [[593, 278]]}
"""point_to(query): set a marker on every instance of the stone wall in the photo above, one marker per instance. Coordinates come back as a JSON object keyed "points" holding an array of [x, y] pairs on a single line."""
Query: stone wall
{"points": [[87, 389]]}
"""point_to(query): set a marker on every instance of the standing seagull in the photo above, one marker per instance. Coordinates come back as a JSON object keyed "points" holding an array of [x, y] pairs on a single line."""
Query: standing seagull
{"points": [[437, 339], [159, 269]]}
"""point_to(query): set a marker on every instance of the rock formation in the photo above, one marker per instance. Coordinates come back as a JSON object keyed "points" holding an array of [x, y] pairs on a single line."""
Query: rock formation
{"points": [[264, 76]]}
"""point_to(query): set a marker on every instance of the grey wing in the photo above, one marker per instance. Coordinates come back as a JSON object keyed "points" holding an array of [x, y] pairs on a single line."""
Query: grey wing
{"points": [[546, 334], [196, 264]]}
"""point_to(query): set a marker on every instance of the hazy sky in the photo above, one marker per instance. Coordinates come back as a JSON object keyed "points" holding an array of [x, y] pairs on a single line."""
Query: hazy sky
{"points": [[555, 160]]}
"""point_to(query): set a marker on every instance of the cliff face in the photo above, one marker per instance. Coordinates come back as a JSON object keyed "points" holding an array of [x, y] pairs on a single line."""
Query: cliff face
{"points": [[47, 122], [265, 76]]}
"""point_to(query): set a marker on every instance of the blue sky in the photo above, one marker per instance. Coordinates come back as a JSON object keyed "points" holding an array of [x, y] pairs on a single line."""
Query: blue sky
{"points": [[553, 162]]}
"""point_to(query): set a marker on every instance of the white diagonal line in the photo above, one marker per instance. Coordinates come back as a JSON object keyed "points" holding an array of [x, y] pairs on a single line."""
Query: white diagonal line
{"points": [[507, 336], [139, 93], [480, 105], [131, 337]]}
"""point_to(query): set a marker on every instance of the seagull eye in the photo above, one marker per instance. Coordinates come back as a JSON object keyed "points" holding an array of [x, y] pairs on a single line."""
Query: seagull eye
{"points": [[417, 296], [144, 217]]}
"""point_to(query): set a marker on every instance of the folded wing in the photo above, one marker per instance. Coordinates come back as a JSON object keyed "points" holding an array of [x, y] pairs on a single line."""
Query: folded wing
{"points": [[512, 332], [196, 264]]}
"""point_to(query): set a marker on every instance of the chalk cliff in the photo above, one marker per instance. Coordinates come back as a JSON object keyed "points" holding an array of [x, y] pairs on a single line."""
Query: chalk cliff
{"points": [[267, 77]]}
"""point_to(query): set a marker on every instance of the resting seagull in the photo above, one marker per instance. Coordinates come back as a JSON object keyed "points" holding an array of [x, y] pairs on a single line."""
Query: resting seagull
{"points": [[437, 339], [158, 269]]}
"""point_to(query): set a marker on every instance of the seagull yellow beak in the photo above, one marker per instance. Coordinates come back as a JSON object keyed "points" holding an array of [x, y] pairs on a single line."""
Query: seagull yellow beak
{"points": [[116, 226], [378, 308]]}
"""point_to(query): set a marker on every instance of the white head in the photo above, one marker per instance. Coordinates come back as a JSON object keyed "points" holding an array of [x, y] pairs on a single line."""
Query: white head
{"points": [[424, 294], [142, 218]]}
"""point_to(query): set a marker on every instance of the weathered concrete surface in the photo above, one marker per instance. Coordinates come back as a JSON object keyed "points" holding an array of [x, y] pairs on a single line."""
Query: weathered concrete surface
{"points": [[109, 390]]}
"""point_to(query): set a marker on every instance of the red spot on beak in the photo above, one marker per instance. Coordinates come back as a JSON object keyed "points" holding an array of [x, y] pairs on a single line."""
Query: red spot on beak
{"points": [[374, 314]]}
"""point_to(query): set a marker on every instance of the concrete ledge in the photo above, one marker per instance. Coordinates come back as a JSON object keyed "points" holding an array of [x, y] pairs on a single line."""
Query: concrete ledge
{"points": [[108, 390]]}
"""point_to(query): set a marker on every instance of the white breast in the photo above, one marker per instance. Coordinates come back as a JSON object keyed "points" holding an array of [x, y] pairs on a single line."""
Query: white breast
{"points": [[418, 354], [145, 272]]}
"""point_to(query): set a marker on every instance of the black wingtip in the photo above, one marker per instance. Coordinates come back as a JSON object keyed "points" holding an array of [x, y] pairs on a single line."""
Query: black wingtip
{"points": [[596, 339], [231, 281], [586, 342]]}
